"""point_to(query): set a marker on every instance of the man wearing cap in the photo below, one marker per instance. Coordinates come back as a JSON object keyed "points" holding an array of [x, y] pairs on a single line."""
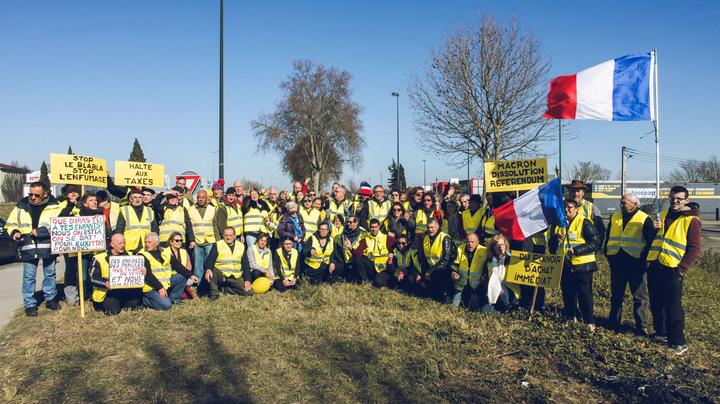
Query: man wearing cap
{"points": [[148, 196], [175, 218], [229, 214], [586, 208], [135, 221], [629, 235]]}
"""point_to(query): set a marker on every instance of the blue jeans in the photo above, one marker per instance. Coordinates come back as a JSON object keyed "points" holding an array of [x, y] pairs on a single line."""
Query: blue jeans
{"points": [[48, 284], [201, 253], [504, 302], [250, 239], [153, 300]]}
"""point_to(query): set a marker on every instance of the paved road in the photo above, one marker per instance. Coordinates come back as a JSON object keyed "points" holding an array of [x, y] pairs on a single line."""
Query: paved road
{"points": [[11, 281]]}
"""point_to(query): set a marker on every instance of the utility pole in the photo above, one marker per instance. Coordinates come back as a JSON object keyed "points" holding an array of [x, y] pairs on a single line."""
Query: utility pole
{"points": [[424, 175], [397, 133], [221, 151], [623, 169]]}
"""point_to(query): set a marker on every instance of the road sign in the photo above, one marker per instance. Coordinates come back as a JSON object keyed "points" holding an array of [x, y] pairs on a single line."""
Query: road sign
{"points": [[192, 179]]}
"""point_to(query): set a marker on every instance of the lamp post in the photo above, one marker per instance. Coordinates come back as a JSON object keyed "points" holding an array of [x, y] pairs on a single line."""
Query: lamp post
{"points": [[221, 149], [397, 134]]}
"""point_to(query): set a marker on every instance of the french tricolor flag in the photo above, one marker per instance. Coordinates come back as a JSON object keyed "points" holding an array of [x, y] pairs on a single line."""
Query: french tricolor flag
{"points": [[532, 212], [617, 90]]}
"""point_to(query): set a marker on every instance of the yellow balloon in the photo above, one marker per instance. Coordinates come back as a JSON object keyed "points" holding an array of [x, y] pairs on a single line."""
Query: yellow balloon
{"points": [[261, 285]]}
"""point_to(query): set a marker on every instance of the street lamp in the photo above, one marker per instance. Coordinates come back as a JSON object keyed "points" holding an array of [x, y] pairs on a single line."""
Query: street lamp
{"points": [[221, 106], [397, 132]]}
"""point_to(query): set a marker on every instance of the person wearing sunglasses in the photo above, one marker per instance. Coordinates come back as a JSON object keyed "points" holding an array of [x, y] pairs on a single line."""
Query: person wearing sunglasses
{"points": [[578, 242], [311, 217], [350, 240], [405, 266], [135, 221], [321, 259], [291, 225], [29, 224], [175, 218], [180, 260], [373, 256], [399, 222], [676, 248], [423, 214], [338, 204], [436, 255]]}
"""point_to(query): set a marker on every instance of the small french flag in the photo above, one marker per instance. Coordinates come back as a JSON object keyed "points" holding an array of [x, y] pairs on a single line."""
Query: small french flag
{"points": [[617, 90], [532, 212]]}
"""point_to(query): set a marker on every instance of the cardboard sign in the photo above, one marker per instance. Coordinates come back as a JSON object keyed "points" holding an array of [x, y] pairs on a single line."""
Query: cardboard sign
{"points": [[126, 271], [515, 175], [77, 234], [543, 270], [135, 174], [76, 169]]}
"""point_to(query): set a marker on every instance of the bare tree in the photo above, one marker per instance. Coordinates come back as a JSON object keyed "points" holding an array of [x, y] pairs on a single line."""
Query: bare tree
{"points": [[299, 167], [587, 171], [483, 95], [316, 121], [12, 185], [697, 171]]}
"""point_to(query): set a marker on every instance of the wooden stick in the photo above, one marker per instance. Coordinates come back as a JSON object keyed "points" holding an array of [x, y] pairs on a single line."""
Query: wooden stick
{"points": [[81, 287], [532, 305]]}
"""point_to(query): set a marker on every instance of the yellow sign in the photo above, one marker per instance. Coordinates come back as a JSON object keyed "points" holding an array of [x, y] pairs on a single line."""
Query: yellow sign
{"points": [[543, 270], [76, 169], [133, 173], [515, 175]]}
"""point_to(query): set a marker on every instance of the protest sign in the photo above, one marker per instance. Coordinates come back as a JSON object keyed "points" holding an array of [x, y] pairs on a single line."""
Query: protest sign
{"points": [[136, 174], [77, 234], [515, 175], [542, 270], [76, 169], [126, 271]]}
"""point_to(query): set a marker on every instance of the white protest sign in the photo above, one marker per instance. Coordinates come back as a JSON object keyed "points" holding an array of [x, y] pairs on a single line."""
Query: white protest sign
{"points": [[126, 271], [77, 234]]}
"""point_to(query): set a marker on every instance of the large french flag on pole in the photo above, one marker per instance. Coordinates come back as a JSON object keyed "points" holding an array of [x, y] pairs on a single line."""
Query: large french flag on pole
{"points": [[532, 212], [617, 90]]}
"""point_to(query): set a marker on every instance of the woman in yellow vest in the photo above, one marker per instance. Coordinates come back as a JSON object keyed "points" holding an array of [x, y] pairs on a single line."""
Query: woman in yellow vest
{"points": [[497, 295], [255, 210], [287, 266], [311, 217], [578, 242], [467, 273], [321, 261], [259, 259], [406, 266], [338, 226]]}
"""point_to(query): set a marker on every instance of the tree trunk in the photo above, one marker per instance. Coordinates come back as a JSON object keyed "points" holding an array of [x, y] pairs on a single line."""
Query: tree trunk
{"points": [[316, 181]]}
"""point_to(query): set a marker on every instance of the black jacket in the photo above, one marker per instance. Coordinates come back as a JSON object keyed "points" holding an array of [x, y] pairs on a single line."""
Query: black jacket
{"points": [[446, 259], [593, 242]]}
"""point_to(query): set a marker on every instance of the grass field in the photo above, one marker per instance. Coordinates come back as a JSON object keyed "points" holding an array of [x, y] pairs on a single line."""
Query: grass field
{"points": [[350, 343]]}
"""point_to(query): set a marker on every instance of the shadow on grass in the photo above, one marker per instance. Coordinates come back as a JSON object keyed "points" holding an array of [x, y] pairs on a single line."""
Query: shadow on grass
{"points": [[215, 376]]}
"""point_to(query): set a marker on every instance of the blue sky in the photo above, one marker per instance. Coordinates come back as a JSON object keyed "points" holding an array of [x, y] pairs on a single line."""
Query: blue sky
{"points": [[96, 74]]}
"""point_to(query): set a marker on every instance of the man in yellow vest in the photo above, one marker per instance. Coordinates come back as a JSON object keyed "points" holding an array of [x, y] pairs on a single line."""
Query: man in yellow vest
{"points": [[467, 273], [372, 256], [164, 284], [29, 225], [105, 299], [579, 243], [630, 233], [586, 208], [224, 268], [111, 211], [202, 215], [676, 248], [287, 266], [376, 208], [135, 221], [229, 214], [175, 218], [472, 216], [339, 204], [310, 216], [321, 260], [406, 265], [436, 257]]}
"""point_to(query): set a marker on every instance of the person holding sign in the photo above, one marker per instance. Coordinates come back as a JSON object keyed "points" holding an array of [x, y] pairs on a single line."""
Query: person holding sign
{"points": [[29, 225], [627, 242], [105, 298], [164, 284], [287, 266], [578, 242], [436, 257], [498, 294], [467, 272], [135, 221], [223, 267]]}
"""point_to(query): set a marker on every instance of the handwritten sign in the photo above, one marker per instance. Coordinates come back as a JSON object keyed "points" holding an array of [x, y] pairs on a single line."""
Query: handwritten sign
{"points": [[515, 175], [76, 169], [77, 234], [135, 174], [543, 270], [126, 272]]}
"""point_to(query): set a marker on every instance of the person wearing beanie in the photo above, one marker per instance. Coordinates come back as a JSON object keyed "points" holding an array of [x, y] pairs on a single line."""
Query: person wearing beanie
{"points": [[175, 218], [135, 221], [229, 214], [217, 192], [148, 196], [363, 195]]}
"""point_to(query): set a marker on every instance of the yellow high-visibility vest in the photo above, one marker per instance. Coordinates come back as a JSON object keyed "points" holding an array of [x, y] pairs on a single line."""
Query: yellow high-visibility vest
{"points": [[136, 229], [161, 269], [586, 209], [234, 218], [288, 268], [470, 272], [470, 221], [229, 262], [376, 250], [324, 254], [574, 238], [114, 214], [669, 244], [173, 220], [421, 221], [433, 252], [254, 221], [262, 260], [336, 208], [203, 225], [311, 220], [629, 239], [405, 260], [379, 211]]}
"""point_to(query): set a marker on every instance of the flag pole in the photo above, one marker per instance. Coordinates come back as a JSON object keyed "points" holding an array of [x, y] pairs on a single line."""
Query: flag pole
{"points": [[560, 151], [656, 122]]}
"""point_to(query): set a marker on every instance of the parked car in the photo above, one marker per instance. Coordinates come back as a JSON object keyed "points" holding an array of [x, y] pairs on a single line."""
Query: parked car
{"points": [[8, 246]]}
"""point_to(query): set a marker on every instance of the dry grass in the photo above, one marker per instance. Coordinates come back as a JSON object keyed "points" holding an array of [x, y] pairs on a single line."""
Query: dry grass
{"points": [[352, 344]]}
